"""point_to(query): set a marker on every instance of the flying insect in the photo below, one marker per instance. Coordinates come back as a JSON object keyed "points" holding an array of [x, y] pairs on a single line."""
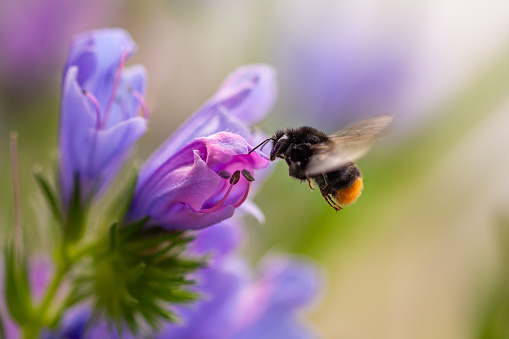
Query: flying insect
{"points": [[328, 160]]}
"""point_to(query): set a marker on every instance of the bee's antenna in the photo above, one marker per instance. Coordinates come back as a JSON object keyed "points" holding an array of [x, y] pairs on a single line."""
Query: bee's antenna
{"points": [[262, 144]]}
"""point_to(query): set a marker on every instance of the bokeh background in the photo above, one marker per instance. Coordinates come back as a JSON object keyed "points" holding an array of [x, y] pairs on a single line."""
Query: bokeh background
{"points": [[424, 252]]}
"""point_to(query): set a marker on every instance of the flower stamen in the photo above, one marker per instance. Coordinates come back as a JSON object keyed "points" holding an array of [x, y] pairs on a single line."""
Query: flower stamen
{"points": [[115, 86], [244, 197], [97, 107], [247, 175], [141, 100], [233, 180], [235, 177], [224, 174]]}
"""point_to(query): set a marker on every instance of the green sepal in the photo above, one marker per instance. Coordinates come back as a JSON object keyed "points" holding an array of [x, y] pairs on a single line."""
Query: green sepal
{"points": [[112, 232], [49, 194], [74, 225], [137, 275], [121, 203], [17, 287], [131, 230]]}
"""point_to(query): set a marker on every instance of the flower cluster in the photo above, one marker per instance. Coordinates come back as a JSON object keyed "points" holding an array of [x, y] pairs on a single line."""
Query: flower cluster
{"points": [[168, 266], [239, 305]]}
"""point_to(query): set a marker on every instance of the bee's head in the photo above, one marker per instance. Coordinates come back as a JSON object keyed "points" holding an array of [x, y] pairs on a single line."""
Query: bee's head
{"points": [[280, 142]]}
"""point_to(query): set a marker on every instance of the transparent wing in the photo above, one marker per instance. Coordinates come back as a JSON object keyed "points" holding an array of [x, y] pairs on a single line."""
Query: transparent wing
{"points": [[348, 144]]}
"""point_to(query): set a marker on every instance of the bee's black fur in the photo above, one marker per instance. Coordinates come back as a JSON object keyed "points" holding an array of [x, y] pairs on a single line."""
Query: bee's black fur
{"points": [[341, 178], [294, 146], [312, 155]]}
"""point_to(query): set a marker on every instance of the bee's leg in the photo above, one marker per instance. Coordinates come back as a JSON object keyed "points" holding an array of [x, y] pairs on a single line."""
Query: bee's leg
{"points": [[332, 203], [336, 206], [325, 190], [325, 180], [310, 183]]}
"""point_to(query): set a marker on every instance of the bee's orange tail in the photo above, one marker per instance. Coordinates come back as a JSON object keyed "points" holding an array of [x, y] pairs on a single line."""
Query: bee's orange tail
{"points": [[349, 195]]}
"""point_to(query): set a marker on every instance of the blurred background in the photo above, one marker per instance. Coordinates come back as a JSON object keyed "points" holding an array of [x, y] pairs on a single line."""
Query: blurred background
{"points": [[424, 251]]}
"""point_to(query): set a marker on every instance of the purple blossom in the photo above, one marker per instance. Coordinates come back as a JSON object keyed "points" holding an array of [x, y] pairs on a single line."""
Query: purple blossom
{"points": [[194, 188], [269, 306], [188, 182], [40, 271], [99, 111], [237, 304], [245, 97], [75, 325], [79, 323], [34, 36]]}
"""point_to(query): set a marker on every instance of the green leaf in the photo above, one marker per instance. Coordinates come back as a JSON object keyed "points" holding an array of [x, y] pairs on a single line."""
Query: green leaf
{"points": [[122, 204], [49, 194], [16, 287], [74, 225], [137, 275], [113, 236], [126, 232]]}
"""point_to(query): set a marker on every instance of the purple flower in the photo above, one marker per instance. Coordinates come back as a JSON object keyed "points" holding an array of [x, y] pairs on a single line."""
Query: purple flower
{"points": [[193, 180], [40, 271], [34, 36], [99, 111], [237, 304], [79, 323], [197, 187], [245, 97], [269, 306], [75, 324]]}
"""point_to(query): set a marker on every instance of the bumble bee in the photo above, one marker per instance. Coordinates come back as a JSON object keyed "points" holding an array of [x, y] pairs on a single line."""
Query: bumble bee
{"points": [[328, 159]]}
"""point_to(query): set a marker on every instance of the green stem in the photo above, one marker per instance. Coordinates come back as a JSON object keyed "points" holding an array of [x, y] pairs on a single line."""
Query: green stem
{"points": [[53, 288], [83, 251], [30, 333], [41, 316]]}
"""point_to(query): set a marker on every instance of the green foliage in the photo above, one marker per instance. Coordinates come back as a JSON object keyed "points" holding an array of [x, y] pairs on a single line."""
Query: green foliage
{"points": [[121, 204], [73, 221], [493, 313], [136, 275], [74, 224], [131, 273], [50, 195], [16, 287]]}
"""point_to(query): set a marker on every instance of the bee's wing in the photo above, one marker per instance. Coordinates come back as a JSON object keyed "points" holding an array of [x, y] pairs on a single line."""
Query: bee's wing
{"points": [[347, 145]]}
